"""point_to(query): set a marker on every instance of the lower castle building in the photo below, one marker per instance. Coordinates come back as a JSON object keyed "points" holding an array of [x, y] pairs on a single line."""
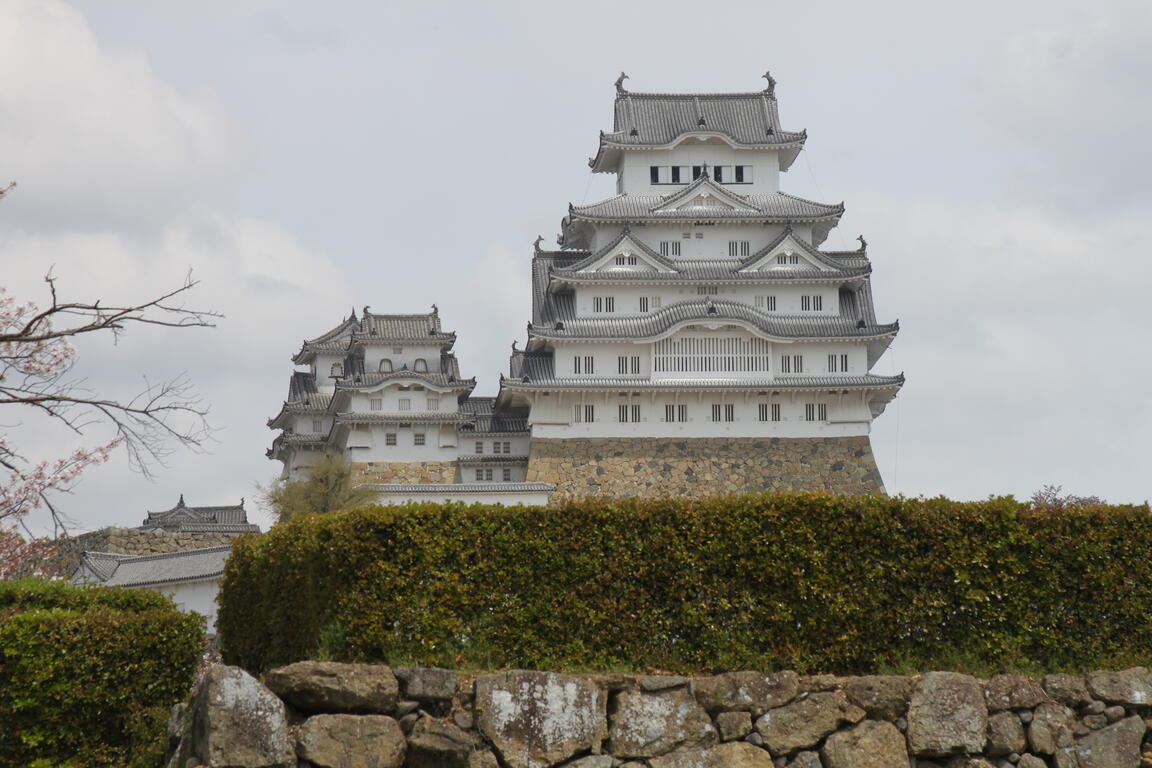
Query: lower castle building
{"points": [[688, 337]]}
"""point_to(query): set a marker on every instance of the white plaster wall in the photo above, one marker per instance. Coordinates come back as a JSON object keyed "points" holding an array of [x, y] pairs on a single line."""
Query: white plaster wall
{"points": [[518, 445], [322, 370], [368, 442], [553, 416], [628, 297], [391, 394], [194, 597], [408, 355], [635, 177], [713, 244], [606, 354]]}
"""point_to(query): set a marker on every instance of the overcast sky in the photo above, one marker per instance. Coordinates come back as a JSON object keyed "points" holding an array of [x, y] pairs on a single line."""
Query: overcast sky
{"points": [[305, 158]]}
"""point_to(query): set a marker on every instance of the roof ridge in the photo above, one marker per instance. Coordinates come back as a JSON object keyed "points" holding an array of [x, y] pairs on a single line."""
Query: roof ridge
{"points": [[164, 555]]}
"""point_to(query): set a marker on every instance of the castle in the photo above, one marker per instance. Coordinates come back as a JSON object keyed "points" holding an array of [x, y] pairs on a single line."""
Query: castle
{"points": [[689, 337]]}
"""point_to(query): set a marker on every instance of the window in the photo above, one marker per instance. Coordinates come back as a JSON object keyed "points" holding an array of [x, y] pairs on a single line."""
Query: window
{"points": [[711, 354], [583, 364], [676, 174], [669, 247], [405, 403], [767, 303], [815, 412], [507, 475], [707, 290], [723, 412], [695, 172], [499, 446], [676, 413], [603, 303], [811, 303], [626, 260], [389, 438], [791, 363], [376, 404], [576, 364], [648, 303], [433, 403], [769, 411], [787, 258], [718, 172], [584, 413], [317, 425], [418, 438], [588, 364], [483, 475], [479, 446], [837, 363], [628, 364], [654, 174], [628, 413], [420, 366], [743, 174], [386, 365], [337, 370], [739, 248]]}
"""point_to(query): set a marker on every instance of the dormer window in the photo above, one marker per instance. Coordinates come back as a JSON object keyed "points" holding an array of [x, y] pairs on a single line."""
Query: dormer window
{"points": [[386, 365], [420, 366]]}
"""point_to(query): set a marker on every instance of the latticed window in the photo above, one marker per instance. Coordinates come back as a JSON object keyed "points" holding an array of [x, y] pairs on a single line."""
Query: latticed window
{"points": [[507, 475], [791, 363], [389, 438], [376, 403], [584, 413], [815, 412], [769, 411], [711, 354], [739, 248], [676, 412], [418, 438]]}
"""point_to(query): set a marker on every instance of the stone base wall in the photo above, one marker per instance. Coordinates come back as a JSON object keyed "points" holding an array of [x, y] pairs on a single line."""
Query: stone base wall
{"points": [[699, 467], [325, 714], [405, 472], [130, 541]]}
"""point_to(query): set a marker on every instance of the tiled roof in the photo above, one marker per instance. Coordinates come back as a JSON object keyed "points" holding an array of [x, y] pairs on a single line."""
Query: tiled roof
{"points": [[406, 417], [477, 458], [645, 120], [372, 379], [708, 310], [499, 424], [169, 568], [478, 405], [410, 328], [203, 518], [775, 206], [660, 118]]}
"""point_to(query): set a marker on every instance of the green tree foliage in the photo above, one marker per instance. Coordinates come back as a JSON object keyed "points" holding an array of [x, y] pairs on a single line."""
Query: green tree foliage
{"points": [[87, 674], [812, 582], [329, 487]]}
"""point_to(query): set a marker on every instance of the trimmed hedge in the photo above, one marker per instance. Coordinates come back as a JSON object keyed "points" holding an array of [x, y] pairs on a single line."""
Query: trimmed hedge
{"points": [[812, 582], [87, 674]]}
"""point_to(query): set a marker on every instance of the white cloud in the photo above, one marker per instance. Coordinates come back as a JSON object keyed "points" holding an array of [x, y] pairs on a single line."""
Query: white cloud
{"points": [[118, 172]]}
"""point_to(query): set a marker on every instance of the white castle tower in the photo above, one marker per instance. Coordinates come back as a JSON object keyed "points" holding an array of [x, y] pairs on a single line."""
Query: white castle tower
{"points": [[385, 393], [690, 337]]}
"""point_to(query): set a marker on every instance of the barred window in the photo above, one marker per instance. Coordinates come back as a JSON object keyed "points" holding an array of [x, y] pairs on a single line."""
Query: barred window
{"points": [[676, 413], [389, 438], [418, 438]]}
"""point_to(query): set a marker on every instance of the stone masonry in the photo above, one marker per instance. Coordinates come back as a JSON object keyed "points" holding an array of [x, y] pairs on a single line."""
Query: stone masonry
{"points": [[333, 715], [133, 541], [405, 472], [699, 467]]}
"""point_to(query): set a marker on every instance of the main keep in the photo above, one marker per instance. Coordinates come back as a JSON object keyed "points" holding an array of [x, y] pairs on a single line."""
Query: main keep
{"points": [[689, 338]]}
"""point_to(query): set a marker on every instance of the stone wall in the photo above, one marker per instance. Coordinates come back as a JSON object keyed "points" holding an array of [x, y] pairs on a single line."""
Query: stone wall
{"points": [[329, 715], [699, 467], [131, 541], [405, 472]]}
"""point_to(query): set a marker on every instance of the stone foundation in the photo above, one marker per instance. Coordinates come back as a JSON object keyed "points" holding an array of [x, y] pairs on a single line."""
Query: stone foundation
{"points": [[132, 541], [331, 715], [699, 467], [405, 472]]}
